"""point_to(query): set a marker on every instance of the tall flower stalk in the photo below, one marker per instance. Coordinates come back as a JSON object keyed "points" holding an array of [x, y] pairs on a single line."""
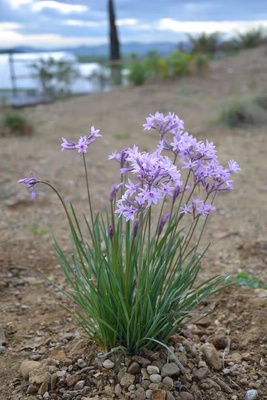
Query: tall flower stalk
{"points": [[134, 273]]}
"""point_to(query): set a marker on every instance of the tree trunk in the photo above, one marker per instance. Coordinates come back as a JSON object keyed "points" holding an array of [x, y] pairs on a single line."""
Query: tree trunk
{"points": [[114, 44]]}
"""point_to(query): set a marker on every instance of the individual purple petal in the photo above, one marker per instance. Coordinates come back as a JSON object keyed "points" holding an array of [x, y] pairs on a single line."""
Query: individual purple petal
{"points": [[95, 132], [68, 145]]}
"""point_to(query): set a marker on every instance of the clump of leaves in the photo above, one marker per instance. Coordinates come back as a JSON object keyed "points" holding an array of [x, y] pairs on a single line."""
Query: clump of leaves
{"points": [[240, 112], [245, 279], [15, 123], [252, 38], [205, 43], [138, 72]]}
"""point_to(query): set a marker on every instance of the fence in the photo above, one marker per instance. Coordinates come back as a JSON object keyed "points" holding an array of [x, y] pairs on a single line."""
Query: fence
{"points": [[91, 77]]}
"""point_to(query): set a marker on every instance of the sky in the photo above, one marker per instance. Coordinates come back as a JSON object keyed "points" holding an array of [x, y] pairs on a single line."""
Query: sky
{"points": [[65, 23]]}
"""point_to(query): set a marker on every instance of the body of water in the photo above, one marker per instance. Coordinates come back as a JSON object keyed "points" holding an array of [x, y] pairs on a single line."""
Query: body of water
{"points": [[17, 81]]}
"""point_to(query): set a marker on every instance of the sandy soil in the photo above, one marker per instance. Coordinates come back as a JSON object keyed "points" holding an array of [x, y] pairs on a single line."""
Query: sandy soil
{"points": [[31, 310]]}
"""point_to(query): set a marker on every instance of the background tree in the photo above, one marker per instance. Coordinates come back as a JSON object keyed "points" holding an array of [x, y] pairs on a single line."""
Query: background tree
{"points": [[114, 44]]}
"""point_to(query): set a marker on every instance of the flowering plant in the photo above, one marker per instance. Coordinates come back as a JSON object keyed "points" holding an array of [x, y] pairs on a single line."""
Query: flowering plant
{"points": [[134, 278]]}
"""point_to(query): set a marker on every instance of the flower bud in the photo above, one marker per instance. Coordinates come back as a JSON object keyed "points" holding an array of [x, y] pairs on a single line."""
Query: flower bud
{"points": [[111, 231], [163, 222]]}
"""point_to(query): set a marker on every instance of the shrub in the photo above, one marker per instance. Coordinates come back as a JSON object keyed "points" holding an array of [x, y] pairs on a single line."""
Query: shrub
{"points": [[138, 72], [252, 38], [15, 123], [243, 111], [180, 63], [205, 43]]}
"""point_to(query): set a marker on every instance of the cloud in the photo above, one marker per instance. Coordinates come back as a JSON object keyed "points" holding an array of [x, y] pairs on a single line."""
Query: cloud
{"points": [[63, 8], [169, 24]]}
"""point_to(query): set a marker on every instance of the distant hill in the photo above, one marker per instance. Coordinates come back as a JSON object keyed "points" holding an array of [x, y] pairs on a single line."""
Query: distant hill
{"points": [[103, 50]]}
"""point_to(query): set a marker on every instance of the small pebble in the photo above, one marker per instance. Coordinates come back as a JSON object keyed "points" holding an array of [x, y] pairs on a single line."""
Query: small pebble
{"points": [[2, 349], [108, 364], [251, 395], [152, 369], [155, 378]]}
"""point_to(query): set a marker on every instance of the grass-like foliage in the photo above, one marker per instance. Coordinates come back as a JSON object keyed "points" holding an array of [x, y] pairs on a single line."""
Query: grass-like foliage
{"points": [[205, 43], [14, 123], [133, 271]]}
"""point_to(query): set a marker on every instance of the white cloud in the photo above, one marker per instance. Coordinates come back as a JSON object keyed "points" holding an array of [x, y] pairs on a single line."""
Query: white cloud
{"points": [[13, 38], [78, 22], [19, 3], [61, 7], [169, 24], [8, 26], [127, 22]]}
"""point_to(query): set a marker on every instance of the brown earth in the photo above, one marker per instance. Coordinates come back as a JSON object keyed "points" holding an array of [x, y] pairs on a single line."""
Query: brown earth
{"points": [[32, 316]]}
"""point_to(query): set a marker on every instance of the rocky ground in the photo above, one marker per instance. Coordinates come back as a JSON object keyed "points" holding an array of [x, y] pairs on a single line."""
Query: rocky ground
{"points": [[43, 352]]}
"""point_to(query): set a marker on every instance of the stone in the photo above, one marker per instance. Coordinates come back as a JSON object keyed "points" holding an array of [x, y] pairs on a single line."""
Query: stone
{"points": [[108, 364], [81, 363], [53, 380], [168, 382], [72, 380], [186, 396], [211, 356], [79, 385], [109, 390], [149, 393], [159, 394], [27, 366], [127, 379], [155, 378], [121, 373], [251, 394], [152, 369], [2, 349], [38, 376], [117, 390], [43, 388], [134, 368], [169, 369], [200, 373], [32, 389], [169, 395], [224, 386], [140, 394]]}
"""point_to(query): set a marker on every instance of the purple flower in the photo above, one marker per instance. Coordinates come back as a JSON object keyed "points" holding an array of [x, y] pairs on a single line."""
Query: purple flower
{"points": [[30, 182], [233, 166], [205, 208], [83, 142], [114, 191]]}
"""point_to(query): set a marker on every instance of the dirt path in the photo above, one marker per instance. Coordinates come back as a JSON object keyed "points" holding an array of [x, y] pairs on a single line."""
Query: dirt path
{"points": [[31, 312]]}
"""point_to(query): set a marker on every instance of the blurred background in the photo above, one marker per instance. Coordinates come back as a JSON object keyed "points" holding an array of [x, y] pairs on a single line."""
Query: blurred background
{"points": [[54, 49]]}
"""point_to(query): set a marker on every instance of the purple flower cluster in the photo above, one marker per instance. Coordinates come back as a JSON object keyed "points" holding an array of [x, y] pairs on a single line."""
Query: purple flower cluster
{"points": [[82, 143], [30, 182], [155, 178], [199, 157]]}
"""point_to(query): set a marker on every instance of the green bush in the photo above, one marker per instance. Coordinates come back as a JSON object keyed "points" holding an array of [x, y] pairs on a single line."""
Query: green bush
{"points": [[252, 38], [138, 72], [179, 63], [205, 43], [15, 123], [243, 111]]}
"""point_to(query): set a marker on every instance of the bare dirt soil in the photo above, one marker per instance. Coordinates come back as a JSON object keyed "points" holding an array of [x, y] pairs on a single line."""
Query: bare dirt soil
{"points": [[32, 317]]}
